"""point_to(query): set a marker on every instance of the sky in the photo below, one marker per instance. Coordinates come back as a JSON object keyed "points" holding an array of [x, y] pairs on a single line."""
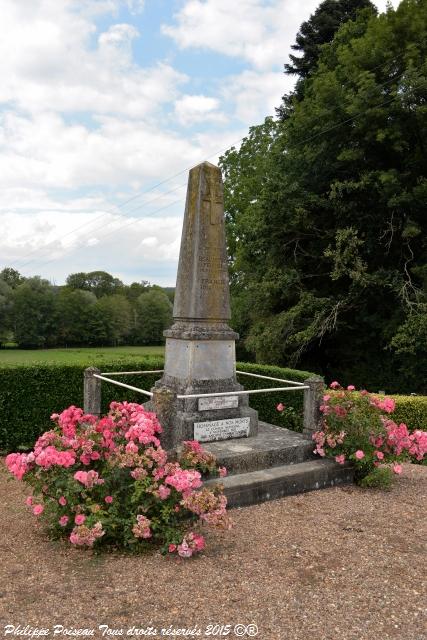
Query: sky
{"points": [[104, 107]]}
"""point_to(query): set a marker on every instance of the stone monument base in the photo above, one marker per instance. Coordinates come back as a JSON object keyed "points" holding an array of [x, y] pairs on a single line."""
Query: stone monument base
{"points": [[206, 419], [275, 463]]}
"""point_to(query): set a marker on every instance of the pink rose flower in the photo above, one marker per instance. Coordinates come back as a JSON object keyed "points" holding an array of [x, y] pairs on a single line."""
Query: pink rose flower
{"points": [[340, 459], [334, 384], [280, 407], [63, 521], [164, 492], [38, 509], [351, 387], [184, 550], [29, 501], [359, 454], [222, 472], [379, 455], [172, 548], [62, 501], [397, 468], [79, 519], [108, 499]]}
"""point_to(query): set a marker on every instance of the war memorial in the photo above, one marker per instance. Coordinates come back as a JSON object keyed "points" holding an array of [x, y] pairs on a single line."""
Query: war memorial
{"points": [[198, 396]]}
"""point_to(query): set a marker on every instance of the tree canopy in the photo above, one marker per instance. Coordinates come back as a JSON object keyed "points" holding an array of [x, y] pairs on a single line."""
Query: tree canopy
{"points": [[326, 210], [92, 309], [320, 29], [315, 32]]}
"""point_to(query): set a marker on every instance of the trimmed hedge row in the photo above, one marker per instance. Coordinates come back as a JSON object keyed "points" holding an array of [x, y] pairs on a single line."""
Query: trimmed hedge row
{"points": [[30, 394], [412, 410], [266, 403]]}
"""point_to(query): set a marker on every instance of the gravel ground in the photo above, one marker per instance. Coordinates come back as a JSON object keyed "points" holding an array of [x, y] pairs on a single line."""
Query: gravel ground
{"points": [[341, 563]]}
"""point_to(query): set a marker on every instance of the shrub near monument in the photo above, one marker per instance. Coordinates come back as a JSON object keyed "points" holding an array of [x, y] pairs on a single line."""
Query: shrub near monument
{"points": [[109, 482], [359, 427]]}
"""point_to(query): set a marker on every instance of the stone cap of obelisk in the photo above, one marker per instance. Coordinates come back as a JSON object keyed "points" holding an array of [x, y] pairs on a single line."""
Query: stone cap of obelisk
{"points": [[202, 296]]}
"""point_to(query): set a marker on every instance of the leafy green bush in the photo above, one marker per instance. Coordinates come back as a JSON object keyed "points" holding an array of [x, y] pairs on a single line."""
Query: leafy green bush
{"points": [[30, 394], [412, 410], [378, 478]]}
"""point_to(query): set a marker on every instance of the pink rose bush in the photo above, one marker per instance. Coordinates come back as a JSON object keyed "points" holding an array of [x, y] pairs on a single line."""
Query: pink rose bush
{"points": [[357, 427], [193, 456], [290, 418], [107, 481]]}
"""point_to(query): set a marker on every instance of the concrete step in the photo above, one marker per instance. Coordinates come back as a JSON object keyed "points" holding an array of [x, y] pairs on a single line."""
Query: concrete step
{"points": [[244, 489], [272, 447]]}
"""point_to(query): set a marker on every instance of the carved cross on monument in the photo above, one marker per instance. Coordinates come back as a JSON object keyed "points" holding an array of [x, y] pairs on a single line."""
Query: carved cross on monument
{"points": [[200, 346], [214, 200]]}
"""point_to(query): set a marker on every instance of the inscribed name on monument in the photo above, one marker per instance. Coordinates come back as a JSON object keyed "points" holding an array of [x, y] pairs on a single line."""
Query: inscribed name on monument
{"points": [[218, 402], [221, 429]]}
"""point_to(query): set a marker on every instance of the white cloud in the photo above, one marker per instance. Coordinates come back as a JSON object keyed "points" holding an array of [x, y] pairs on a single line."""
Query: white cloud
{"points": [[48, 62], [135, 6], [43, 151], [151, 241], [191, 109], [256, 94], [122, 244], [255, 30], [118, 35]]}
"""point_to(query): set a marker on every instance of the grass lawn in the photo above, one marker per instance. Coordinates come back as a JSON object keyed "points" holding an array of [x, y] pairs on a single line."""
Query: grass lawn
{"points": [[74, 356]]}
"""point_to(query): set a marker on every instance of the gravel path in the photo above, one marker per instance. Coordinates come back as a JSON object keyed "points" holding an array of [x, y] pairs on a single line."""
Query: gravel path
{"points": [[338, 564]]}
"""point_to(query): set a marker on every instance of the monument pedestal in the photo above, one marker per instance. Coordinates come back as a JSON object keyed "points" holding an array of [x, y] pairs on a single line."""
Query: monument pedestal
{"points": [[205, 366]]}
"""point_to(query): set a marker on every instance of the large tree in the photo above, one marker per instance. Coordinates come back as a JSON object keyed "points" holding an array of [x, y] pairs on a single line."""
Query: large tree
{"points": [[100, 283], [35, 313], [75, 308], [320, 29], [6, 302], [117, 317], [315, 32], [11, 277], [153, 316], [330, 261]]}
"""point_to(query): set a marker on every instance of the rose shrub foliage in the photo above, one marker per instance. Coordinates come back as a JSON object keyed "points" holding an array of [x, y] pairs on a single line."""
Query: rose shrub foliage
{"points": [[357, 427], [107, 481]]}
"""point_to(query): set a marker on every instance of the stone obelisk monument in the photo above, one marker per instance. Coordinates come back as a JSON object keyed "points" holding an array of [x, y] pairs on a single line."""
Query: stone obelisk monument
{"points": [[200, 346]]}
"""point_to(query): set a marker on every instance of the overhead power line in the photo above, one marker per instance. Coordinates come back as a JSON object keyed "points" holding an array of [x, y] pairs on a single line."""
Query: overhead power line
{"points": [[186, 170]]}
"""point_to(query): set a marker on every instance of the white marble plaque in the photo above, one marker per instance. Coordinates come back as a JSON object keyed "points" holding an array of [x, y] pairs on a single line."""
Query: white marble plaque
{"points": [[212, 430], [218, 402]]}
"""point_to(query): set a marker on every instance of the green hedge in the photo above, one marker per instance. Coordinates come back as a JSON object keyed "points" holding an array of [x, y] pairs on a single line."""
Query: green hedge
{"points": [[266, 403], [412, 410], [30, 394]]}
